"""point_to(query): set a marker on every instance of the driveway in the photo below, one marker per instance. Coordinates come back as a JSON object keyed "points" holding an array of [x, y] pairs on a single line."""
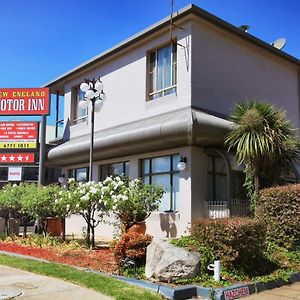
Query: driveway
{"points": [[16, 284], [286, 292]]}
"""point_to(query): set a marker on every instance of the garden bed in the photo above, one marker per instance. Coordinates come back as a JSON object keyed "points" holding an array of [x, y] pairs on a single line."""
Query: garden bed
{"points": [[100, 259]]}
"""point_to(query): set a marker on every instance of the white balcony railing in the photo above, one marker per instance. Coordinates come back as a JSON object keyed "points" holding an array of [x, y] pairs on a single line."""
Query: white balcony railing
{"points": [[223, 209]]}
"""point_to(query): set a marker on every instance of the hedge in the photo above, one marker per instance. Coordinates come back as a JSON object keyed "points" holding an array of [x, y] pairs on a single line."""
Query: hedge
{"points": [[237, 242], [279, 207]]}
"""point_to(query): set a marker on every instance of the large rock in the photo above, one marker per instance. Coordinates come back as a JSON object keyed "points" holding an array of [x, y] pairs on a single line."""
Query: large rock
{"points": [[166, 262]]}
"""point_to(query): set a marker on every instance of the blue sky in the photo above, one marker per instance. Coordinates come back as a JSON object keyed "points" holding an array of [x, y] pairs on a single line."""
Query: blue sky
{"points": [[41, 39]]}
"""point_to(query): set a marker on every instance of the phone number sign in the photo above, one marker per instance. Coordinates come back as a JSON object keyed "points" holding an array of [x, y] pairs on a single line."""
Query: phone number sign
{"points": [[24, 101], [18, 135]]}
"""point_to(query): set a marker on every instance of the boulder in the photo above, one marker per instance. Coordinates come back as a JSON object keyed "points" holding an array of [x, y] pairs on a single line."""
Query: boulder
{"points": [[166, 262]]}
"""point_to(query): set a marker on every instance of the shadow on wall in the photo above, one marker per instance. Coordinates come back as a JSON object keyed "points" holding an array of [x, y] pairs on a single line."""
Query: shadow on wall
{"points": [[66, 134], [167, 224]]}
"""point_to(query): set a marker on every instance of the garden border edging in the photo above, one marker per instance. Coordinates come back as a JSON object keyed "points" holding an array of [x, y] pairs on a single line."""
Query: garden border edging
{"points": [[181, 293]]}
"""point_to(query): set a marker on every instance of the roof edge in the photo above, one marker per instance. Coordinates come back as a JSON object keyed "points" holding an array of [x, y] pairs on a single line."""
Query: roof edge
{"points": [[189, 9]]}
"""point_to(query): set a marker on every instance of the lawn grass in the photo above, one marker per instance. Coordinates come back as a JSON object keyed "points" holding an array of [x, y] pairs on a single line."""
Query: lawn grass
{"points": [[106, 285]]}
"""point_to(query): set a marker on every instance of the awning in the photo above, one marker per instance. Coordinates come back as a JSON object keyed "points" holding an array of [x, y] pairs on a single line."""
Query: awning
{"points": [[174, 129]]}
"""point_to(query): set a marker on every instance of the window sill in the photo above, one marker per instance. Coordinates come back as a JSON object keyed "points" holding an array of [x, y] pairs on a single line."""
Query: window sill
{"points": [[166, 212], [80, 124], [164, 100]]}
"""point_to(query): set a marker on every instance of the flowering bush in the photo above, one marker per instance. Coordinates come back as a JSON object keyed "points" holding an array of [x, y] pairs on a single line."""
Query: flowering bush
{"points": [[86, 199], [131, 201], [133, 246]]}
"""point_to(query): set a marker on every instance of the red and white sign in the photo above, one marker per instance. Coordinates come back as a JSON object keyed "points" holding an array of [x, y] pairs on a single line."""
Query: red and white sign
{"points": [[14, 174], [16, 158], [24, 101], [236, 293], [14, 135]]}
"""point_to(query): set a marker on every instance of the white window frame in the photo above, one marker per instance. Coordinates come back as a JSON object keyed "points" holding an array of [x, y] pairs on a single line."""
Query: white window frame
{"points": [[75, 109], [156, 93], [173, 170]]}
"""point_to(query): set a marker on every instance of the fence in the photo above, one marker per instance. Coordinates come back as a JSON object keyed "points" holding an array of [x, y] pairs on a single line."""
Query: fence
{"points": [[223, 209]]}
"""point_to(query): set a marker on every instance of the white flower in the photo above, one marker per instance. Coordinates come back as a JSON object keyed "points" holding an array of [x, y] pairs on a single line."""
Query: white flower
{"points": [[71, 180], [85, 197], [56, 201], [68, 206], [77, 205], [93, 190], [108, 179]]}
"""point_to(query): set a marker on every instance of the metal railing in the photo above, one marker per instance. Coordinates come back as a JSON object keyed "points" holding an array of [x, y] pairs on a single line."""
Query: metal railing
{"points": [[223, 209]]}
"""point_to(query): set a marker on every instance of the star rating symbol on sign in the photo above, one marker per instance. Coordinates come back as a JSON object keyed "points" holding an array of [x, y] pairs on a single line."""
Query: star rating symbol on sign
{"points": [[17, 158]]}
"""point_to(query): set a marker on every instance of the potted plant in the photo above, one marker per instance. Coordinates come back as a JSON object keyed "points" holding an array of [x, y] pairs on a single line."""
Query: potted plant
{"points": [[132, 201]]}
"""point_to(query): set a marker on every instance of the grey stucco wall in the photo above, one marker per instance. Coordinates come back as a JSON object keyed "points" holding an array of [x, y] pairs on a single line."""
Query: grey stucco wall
{"points": [[227, 69], [124, 79]]}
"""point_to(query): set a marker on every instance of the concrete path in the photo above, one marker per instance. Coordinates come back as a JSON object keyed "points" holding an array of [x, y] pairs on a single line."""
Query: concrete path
{"points": [[31, 286], [286, 292]]}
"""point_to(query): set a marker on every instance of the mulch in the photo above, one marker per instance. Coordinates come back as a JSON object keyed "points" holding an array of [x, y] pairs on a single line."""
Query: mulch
{"points": [[99, 260]]}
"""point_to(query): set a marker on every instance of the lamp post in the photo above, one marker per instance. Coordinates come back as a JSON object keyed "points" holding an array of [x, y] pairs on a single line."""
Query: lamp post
{"points": [[93, 90]]}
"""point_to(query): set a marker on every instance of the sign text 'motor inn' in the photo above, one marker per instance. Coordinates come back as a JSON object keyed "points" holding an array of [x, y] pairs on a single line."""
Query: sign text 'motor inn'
{"points": [[24, 101]]}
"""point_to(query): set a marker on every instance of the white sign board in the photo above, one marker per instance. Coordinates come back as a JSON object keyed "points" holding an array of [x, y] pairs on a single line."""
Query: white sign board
{"points": [[14, 173], [237, 293]]}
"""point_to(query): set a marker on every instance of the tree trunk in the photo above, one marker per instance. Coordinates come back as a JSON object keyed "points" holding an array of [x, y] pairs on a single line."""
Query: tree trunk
{"points": [[63, 227], [93, 237], [25, 221], [256, 183], [88, 228]]}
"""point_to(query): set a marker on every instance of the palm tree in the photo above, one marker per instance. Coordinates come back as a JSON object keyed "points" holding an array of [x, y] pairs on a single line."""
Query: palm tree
{"points": [[263, 138]]}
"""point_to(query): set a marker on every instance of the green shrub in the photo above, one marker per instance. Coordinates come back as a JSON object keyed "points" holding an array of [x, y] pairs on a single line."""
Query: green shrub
{"points": [[238, 242], [191, 244], [133, 246], [279, 207]]}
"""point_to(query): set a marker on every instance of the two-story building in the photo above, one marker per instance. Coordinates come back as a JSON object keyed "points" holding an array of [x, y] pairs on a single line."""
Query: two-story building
{"points": [[168, 96]]}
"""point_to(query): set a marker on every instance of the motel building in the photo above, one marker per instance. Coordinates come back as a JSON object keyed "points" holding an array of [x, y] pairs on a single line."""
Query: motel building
{"points": [[168, 99]]}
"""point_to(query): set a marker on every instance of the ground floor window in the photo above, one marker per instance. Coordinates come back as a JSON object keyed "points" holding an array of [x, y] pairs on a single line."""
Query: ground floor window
{"points": [[115, 169], [3, 173], [163, 171], [30, 173], [216, 179], [80, 174]]}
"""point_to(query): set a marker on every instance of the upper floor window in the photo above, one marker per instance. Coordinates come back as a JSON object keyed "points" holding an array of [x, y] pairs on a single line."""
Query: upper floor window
{"points": [[115, 169], [162, 71], [163, 171], [79, 114]]}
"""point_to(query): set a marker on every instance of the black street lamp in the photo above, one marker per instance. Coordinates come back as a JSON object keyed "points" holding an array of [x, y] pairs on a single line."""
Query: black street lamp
{"points": [[93, 90]]}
